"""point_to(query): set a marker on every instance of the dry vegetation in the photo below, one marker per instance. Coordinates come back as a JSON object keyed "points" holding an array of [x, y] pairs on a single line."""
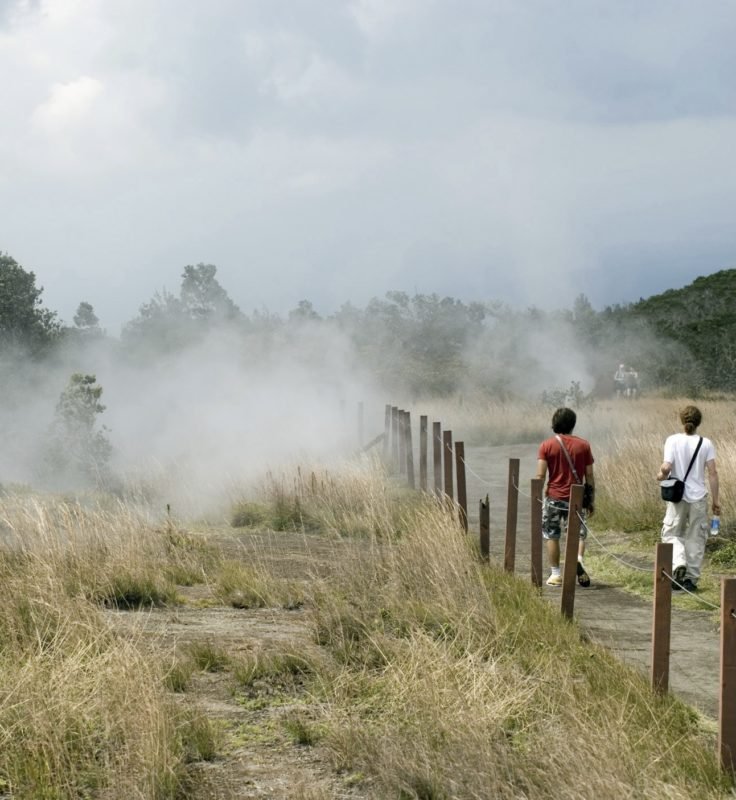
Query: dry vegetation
{"points": [[83, 712], [627, 439], [430, 675]]}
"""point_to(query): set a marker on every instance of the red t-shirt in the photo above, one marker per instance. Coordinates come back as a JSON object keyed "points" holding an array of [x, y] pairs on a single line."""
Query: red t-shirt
{"points": [[560, 475]]}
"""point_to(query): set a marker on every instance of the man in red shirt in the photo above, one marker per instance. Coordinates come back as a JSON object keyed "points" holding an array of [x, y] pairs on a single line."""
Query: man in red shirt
{"points": [[568, 460]]}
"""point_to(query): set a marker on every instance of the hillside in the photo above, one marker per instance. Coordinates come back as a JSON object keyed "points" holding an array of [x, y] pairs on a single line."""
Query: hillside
{"points": [[698, 317]]}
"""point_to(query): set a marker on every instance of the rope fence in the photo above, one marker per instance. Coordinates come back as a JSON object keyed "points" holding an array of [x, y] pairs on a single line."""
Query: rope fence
{"points": [[449, 471]]}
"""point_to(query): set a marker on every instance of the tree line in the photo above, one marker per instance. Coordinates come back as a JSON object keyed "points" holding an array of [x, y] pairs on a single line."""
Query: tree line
{"points": [[423, 344], [410, 346]]}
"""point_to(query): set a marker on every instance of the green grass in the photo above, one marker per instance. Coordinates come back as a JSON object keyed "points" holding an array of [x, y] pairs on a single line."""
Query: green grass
{"points": [[209, 657], [128, 590], [628, 563], [246, 514], [302, 730], [271, 667], [722, 550], [244, 586]]}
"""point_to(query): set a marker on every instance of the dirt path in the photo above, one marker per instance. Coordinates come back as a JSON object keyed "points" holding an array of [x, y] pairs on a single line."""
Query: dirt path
{"points": [[256, 757], [611, 617]]}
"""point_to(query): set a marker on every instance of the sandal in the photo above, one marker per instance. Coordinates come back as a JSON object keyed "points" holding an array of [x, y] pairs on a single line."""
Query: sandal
{"points": [[583, 577]]}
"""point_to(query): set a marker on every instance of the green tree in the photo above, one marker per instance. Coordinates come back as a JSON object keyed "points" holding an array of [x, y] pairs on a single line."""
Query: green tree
{"points": [[160, 327], [24, 322], [79, 449], [169, 323], [86, 325], [418, 343], [202, 296], [85, 318], [304, 312]]}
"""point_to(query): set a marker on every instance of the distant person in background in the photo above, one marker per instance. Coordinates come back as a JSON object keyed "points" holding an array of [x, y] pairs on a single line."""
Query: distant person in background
{"points": [[619, 380], [631, 381], [685, 523], [552, 462]]}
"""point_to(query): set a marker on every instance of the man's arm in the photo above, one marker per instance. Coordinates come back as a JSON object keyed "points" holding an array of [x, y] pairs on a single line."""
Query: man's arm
{"points": [[590, 478], [541, 469], [713, 483], [666, 468]]}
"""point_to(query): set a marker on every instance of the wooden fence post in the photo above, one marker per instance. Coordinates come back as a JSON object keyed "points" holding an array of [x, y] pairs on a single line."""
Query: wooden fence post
{"points": [[437, 457], [536, 531], [394, 438], [448, 459], [402, 442], [409, 451], [462, 495], [727, 700], [423, 452], [485, 529], [512, 513], [661, 618], [386, 432], [569, 575]]}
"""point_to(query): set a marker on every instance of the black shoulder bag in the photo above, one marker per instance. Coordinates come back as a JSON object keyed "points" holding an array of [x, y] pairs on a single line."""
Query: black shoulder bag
{"points": [[673, 489], [587, 487]]}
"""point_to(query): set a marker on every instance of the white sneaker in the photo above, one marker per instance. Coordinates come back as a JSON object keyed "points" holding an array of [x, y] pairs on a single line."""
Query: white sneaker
{"points": [[554, 580]]}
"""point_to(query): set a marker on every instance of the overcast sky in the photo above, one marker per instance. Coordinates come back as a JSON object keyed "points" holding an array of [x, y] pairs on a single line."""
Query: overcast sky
{"points": [[515, 150]]}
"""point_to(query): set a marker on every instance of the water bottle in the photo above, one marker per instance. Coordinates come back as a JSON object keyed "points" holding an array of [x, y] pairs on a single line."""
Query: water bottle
{"points": [[715, 525]]}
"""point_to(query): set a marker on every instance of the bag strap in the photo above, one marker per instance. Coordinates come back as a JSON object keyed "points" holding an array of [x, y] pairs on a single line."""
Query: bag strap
{"points": [[692, 460], [569, 460]]}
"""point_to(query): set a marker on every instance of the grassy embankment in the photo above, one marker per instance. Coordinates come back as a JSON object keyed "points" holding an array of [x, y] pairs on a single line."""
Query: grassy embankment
{"points": [[432, 676], [441, 677]]}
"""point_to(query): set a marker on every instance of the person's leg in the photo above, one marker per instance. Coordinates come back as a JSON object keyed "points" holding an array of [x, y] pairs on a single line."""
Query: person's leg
{"points": [[695, 537], [553, 553], [583, 577], [673, 524], [552, 520]]}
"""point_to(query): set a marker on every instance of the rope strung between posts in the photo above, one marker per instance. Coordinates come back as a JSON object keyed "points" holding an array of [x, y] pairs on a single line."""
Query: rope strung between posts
{"points": [[589, 531], [521, 491], [474, 473], [618, 558], [611, 553], [644, 569], [692, 594], [585, 525]]}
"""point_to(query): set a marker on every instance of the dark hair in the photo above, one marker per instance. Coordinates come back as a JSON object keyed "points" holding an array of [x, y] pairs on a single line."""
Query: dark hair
{"points": [[563, 420], [691, 418]]}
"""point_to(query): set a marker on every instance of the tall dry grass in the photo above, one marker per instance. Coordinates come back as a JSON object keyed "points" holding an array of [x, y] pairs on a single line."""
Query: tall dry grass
{"points": [[439, 677], [352, 499], [452, 679], [83, 711], [488, 421]]}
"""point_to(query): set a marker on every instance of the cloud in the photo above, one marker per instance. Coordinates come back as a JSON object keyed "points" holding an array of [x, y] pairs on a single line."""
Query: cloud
{"points": [[492, 149], [377, 18], [68, 106], [292, 68]]}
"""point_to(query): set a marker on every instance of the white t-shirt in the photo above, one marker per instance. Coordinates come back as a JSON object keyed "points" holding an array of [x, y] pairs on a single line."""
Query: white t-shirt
{"points": [[678, 450]]}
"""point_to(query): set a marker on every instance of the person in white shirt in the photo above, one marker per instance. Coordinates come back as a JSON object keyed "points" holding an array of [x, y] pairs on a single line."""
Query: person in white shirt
{"points": [[619, 380], [686, 523]]}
